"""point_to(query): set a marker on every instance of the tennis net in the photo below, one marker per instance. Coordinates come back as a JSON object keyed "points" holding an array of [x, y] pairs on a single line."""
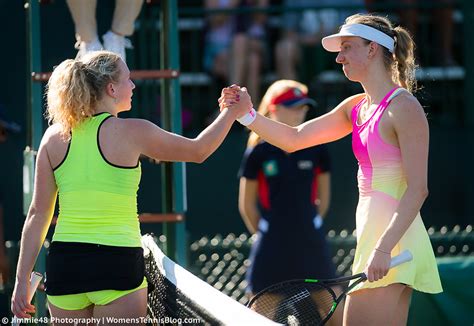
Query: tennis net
{"points": [[175, 296]]}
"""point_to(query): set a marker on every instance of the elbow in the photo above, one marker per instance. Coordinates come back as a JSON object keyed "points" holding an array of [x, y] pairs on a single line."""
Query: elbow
{"points": [[421, 192], [198, 159], [199, 154], [424, 193], [201, 157], [290, 147], [242, 210], [245, 211], [32, 212]]}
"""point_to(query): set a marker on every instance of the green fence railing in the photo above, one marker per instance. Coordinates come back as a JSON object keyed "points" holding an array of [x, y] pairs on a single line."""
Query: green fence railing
{"points": [[223, 260]]}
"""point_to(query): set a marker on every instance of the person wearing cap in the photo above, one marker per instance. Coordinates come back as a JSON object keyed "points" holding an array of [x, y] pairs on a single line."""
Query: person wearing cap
{"points": [[284, 197], [390, 138]]}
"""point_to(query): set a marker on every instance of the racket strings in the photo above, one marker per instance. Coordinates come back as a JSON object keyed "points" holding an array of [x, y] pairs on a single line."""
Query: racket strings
{"points": [[298, 304], [287, 307]]}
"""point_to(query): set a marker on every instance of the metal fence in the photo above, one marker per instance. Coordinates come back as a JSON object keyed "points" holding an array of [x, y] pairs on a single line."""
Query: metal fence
{"points": [[223, 260]]}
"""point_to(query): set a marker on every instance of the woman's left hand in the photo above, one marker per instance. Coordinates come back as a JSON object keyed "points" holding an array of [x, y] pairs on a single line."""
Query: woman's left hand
{"points": [[237, 99], [377, 265]]}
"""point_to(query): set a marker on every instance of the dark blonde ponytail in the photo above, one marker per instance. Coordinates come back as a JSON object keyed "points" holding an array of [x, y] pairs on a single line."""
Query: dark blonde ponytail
{"points": [[405, 65]]}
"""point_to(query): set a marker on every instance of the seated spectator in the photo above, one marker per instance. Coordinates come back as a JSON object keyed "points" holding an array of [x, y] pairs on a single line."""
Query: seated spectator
{"points": [[83, 15], [235, 43], [304, 29], [440, 16]]}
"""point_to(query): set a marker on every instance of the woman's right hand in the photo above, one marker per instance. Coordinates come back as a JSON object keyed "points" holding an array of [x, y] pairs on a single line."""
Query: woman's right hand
{"points": [[237, 99], [20, 303]]}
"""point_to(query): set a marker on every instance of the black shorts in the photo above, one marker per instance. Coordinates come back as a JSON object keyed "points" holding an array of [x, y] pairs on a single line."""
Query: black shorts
{"points": [[73, 267]]}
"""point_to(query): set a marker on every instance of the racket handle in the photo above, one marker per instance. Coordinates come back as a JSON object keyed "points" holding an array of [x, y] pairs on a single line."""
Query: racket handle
{"points": [[402, 258], [34, 282]]}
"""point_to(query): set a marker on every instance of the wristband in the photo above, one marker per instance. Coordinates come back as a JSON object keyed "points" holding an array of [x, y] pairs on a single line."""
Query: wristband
{"points": [[248, 118], [318, 221]]}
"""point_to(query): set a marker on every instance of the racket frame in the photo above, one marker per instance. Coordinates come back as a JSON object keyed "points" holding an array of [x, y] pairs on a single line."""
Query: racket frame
{"points": [[403, 257]]}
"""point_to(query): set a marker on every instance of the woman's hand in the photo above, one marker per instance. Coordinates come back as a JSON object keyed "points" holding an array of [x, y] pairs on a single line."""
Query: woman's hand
{"points": [[377, 265], [237, 99], [20, 303]]}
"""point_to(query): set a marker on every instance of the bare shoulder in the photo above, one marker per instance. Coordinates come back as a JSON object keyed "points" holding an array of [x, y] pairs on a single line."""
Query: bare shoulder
{"points": [[137, 132], [353, 100], [406, 107], [134, 122], [53, 136], [135, 126], [350, 102], [54, 144]]}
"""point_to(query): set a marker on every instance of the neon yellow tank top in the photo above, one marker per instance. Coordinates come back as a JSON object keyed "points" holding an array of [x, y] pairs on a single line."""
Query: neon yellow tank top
{"points": [[97, 200]]}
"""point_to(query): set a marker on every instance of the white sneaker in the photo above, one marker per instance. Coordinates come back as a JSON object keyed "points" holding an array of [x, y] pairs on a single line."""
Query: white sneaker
{"points": [[116, 43], [86, 47]]}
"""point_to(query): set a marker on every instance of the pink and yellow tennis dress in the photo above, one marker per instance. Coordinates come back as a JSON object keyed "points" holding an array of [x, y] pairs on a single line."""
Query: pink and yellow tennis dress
{"points": [[381, 185]]}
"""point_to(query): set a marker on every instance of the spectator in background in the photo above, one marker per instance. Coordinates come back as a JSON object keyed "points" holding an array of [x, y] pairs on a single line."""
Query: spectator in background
{"points": [[83, 15], [303, 29], [234, 45], [286, 196], [6, 127], [441, 17], [248, 47]]}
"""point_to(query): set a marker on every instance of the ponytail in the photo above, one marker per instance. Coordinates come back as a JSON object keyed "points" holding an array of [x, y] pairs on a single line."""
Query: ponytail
{"points": [[404, 64], [75, 88]]}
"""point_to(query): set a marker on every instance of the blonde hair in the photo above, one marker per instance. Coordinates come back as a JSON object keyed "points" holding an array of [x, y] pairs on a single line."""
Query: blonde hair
{"points": [[275, 89], [76, 86], [402, 62]]}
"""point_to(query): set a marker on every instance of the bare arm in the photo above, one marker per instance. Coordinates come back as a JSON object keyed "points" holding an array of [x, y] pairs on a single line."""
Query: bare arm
{"points": [[324, 193], [162, 145], [411, 128], [412, 132], [329, 127], [35, 229], [248, 203]]}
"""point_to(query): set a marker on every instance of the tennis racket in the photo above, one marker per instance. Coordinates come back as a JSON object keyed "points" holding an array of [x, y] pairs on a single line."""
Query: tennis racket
{"points": [[34, 282], [308, 301]]}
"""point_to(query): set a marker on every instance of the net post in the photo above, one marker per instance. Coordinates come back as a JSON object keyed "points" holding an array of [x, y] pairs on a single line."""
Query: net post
{"points": [[35, 124]]}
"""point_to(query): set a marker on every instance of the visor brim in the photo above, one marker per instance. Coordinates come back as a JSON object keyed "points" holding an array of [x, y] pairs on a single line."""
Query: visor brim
{"points": [[332, 43], [301, 101]]}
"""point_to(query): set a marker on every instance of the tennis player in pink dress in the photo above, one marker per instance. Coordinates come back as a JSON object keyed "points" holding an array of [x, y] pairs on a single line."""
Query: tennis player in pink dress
{"points": [[390, 141]]}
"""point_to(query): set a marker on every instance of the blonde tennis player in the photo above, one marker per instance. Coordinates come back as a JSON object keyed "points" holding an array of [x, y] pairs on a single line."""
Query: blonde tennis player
{"points": [[90, 157]]}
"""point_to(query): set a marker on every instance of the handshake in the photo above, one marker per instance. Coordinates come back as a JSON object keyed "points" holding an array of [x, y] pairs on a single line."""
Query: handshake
{"points": [[237, 98]]}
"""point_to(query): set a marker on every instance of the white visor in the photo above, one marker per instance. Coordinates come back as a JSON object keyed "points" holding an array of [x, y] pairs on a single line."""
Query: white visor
{"points": [[332, 43]]}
